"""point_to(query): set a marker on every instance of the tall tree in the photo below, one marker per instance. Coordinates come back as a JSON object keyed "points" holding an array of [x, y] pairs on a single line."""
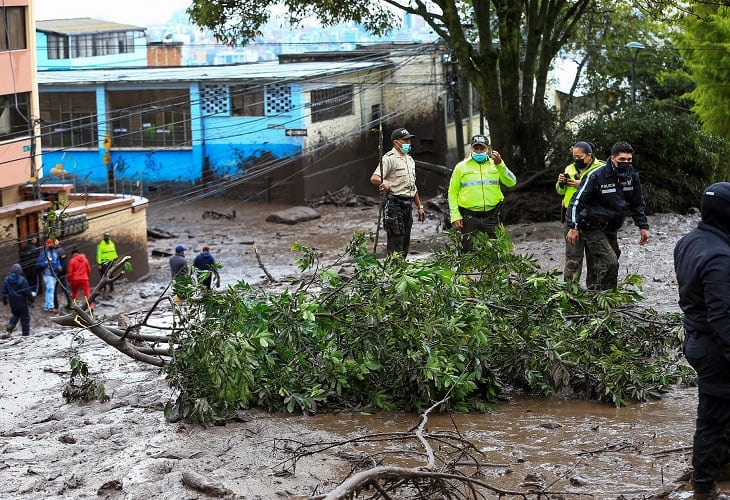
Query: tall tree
{"points": [[599, 50], [504, 48], [703, 41]]}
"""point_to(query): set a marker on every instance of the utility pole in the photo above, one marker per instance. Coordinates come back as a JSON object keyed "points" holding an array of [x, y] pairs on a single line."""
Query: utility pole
{"points": [[453, 77]]}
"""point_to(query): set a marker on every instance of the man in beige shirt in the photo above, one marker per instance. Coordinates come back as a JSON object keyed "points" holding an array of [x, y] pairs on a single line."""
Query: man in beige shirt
{"points": [[397, 182]]}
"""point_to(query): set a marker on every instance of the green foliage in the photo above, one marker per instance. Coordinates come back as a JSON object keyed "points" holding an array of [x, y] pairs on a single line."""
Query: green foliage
{"points": [[599, 50], [236, 21], [403, 334], [675, 158], [82, 386], [703, 42], [502, 48]]}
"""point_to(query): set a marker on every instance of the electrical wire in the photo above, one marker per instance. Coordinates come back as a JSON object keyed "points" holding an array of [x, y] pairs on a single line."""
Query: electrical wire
{"points": [[203, 191]]}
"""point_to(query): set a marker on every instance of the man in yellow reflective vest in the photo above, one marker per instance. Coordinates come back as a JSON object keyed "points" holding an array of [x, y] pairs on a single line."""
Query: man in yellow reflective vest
{"points": [[568, 181], [475, 193], [106, 254]]}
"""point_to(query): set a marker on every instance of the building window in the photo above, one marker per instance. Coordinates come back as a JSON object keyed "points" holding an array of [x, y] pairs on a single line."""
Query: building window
{"points": [[247, 100], [150, 119], [57, 46], [81, 46], [12, 28], [103, 44], [68, 119], [331, 103], [14, 115]]}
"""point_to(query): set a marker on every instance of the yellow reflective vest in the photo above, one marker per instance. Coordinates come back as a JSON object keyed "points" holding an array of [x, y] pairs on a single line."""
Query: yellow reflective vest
{"points": [[476, 186], [567, 192], [106, 252]]}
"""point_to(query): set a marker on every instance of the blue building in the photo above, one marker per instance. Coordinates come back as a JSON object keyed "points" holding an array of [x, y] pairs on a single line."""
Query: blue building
{"points": [[89, 43], [285, 130]]}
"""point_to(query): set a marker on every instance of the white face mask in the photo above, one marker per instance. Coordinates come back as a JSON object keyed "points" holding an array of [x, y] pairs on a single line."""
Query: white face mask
{"points": [[406, 148]]}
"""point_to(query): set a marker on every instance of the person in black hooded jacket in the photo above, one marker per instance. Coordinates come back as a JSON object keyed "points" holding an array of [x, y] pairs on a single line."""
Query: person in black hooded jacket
{"points": [[17, 294], [28, 261], [702, 265], [598, 210]]}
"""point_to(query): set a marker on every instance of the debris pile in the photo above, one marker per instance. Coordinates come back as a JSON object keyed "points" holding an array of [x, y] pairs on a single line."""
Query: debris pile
{"points": [[343, 197]]}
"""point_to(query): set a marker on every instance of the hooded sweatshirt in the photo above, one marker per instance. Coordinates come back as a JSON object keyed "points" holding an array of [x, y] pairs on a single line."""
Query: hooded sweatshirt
{"points": [[16, 291], [79, 268], [702, 264]]}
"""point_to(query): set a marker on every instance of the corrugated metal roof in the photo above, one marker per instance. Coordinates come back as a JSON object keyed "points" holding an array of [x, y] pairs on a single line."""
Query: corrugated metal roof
{"points": [[271, 70], [82, 25]]}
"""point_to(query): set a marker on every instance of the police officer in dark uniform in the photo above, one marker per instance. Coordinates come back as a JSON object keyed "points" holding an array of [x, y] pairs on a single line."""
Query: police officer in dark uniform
{"points": [[702, 264], [397, 182], [598, 210]]}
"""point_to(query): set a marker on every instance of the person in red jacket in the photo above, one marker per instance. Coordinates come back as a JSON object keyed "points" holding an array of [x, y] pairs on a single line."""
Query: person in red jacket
{"points": [[78, 273]]}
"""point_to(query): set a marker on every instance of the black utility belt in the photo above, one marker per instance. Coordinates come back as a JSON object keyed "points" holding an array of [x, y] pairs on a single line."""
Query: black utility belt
{"points": [[475, 213], [402, 199]]}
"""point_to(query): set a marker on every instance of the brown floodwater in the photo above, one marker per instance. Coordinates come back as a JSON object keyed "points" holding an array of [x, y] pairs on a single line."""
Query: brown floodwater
{"points": [[574, 449], [571, 447]]}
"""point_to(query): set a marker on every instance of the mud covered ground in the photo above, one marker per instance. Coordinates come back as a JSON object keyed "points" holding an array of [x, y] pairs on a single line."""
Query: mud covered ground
{"points": [[124, 448]]}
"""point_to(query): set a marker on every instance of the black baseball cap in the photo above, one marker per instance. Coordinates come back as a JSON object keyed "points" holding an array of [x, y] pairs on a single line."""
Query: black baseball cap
{"points": [[480, 139], [400, 133]]}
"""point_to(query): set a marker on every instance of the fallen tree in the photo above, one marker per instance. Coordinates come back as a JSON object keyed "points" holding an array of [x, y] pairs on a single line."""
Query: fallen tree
{"points": [[399, 334]]}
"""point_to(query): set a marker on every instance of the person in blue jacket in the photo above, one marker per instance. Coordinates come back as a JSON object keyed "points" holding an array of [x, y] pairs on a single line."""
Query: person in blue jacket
{"points": [[702, 265], [18, 295], [204, 267], [50, 266]]}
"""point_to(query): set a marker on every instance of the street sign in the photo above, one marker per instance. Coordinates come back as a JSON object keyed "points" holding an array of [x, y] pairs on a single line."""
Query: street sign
{"points": [[296, 132]]}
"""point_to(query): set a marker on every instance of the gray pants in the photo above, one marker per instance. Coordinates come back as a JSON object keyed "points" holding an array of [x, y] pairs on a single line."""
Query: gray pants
{"points": [[574, 261]]}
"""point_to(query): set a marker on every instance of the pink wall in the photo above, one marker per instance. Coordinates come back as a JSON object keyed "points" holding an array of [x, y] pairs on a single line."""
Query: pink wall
{"points": [[16, 72], [17, 171]]}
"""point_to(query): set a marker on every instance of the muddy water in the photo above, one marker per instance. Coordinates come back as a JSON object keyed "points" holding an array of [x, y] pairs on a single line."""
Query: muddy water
{"points": [[574, 447], [125, 449]]}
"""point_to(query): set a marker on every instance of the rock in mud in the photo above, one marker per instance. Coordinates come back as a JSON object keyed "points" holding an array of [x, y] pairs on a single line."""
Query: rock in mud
{"points": [[293, 215], [204, 485]]}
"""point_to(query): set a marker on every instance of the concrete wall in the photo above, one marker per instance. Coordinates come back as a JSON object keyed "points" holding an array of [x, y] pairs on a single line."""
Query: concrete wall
{"points": [[125, 218], [340, 159]]}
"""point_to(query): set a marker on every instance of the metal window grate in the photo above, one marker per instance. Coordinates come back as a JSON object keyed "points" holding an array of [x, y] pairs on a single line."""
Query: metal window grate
{"points": [[215, 100], [278, 99]]}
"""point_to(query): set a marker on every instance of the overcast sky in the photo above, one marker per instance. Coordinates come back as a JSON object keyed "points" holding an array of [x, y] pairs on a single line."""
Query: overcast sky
{"points": [[136, 12]]}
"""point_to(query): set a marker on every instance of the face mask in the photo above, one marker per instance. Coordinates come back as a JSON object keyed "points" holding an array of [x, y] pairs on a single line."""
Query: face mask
{"points": [[579, 163], [623, 170], [406, 148], [479, 157]]}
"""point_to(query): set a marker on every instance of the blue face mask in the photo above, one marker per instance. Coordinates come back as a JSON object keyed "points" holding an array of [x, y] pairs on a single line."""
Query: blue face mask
{"points": [[406, 148], [479, 157]]}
